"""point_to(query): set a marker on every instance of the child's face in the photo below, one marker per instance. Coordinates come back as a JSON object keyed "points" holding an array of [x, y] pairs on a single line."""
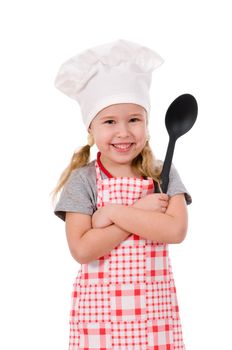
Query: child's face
{"points": [[120, 132]]}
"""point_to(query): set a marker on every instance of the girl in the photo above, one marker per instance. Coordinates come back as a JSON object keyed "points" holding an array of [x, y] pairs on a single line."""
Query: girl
{"points": [[117, 227]]}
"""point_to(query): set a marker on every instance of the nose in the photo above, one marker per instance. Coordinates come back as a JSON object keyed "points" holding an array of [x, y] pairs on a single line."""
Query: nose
{"points": [[123, 130]]}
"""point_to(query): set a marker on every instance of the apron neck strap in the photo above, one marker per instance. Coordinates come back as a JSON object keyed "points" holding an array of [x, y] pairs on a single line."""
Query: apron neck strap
{"points": [[101, 166]]}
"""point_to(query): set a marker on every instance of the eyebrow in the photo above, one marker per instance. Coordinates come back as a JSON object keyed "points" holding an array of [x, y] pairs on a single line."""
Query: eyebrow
{"points": [[114, 116]]}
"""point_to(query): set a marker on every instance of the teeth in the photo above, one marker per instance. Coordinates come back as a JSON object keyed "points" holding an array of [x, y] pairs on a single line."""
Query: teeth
{"points": [[122, 145]]}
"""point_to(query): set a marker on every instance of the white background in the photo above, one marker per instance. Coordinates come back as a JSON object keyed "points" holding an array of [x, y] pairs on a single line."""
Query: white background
{"points": [[40, 129]]}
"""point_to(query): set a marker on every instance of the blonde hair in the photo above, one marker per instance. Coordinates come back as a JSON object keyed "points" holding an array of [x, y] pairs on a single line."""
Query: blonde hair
{"points": [[144, 164]]}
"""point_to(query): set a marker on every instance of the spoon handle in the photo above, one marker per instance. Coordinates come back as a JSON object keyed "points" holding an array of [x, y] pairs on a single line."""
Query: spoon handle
{"points": [[164, 176]]}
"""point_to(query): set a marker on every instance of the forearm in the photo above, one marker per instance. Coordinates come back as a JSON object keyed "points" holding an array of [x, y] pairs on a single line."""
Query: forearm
{"points": [[151, 225], [98, 242]]}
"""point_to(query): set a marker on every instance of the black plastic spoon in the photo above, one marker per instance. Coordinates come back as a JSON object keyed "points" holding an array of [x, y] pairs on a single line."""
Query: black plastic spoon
{"points": [[179, 119]]}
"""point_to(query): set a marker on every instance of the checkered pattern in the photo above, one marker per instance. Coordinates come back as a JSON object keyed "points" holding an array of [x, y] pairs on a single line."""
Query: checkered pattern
{"points": [[157, 262], [126, 300], [90, 303], [121, 191], [160, 335], [96, 271], [128, 264], [94, 335], [158, 300], [129, 335]]}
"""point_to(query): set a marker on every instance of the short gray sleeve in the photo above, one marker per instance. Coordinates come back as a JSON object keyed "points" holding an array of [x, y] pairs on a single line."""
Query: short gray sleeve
{"points": [[77, 194], [176, 185]]}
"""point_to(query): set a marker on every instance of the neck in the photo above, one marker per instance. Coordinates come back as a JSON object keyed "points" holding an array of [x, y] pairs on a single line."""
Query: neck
{"points": [[116, 170]]}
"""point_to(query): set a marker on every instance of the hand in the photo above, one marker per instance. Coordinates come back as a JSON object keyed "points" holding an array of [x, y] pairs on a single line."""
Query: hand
{"points": [[100, 218], [155, 201]]}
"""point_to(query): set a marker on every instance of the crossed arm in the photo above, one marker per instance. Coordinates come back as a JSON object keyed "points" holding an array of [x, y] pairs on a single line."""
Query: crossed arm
{"points": [[154, 217]]}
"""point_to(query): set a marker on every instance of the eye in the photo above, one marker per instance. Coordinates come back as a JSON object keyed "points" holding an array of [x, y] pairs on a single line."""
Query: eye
{"points": [[133, 120], [110, 121]]}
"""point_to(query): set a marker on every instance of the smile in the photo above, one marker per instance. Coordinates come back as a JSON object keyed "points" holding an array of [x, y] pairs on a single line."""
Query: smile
{"points": [[122, 147]]}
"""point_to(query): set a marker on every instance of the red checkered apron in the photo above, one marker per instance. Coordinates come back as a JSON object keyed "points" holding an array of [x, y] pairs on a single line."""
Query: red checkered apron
{"points": [[127, 298]]}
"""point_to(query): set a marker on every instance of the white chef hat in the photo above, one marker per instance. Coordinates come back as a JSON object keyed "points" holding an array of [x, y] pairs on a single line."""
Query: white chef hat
{"points": [[117, 72]]}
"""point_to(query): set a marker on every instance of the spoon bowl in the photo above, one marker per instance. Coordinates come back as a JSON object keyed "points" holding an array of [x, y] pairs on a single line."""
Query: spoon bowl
{"points": [[181, 115]]}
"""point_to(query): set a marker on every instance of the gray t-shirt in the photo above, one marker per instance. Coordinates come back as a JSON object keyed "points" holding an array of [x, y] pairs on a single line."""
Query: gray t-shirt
{"points": [[79, 193]]}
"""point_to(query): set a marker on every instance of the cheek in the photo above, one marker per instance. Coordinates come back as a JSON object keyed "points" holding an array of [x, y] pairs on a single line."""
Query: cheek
{"points": [[101, 138], [142, 134]]}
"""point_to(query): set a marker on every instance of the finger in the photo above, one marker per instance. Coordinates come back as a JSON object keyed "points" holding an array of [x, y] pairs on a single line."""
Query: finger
{"points": [[164, 196], [164, 203], [164, 199]]}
